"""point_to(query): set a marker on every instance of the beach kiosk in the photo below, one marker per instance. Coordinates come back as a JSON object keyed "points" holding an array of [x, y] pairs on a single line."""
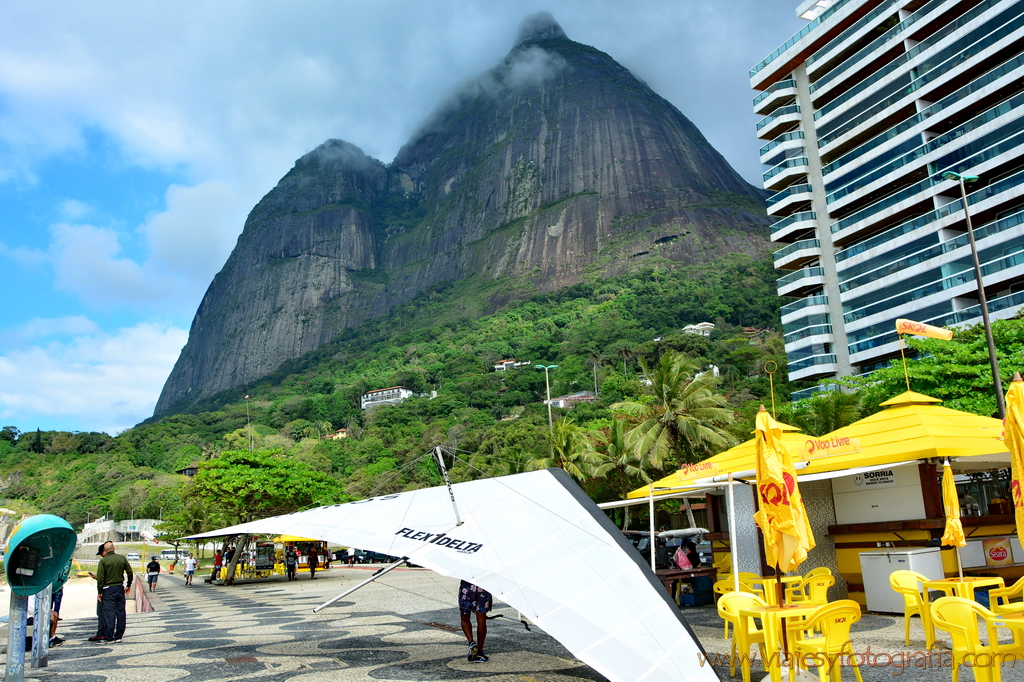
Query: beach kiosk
{"points": [[881, 479], [305, 547]]}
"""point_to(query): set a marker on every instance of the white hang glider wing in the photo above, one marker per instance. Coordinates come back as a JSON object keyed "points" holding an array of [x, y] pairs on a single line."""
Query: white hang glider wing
{"points": [[540, 544]]}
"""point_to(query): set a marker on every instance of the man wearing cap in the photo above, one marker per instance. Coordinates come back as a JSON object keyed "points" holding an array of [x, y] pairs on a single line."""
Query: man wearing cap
{"points": [[110, 581]]}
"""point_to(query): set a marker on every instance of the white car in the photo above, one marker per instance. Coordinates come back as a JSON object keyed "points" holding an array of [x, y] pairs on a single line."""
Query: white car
{"points": [[133, 556]]}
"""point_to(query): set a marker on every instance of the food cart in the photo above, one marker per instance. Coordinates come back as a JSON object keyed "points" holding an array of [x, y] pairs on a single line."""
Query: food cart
{"points": [[305, 547]]}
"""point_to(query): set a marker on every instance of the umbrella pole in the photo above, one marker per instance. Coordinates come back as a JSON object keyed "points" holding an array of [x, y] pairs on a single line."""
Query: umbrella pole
{"points": [[732, 536], [654, 544], [905, 375], [959, 565]]}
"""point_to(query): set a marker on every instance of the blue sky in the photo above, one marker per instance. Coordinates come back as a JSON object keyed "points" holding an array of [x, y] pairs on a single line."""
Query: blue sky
{"points": [[135, 137]]}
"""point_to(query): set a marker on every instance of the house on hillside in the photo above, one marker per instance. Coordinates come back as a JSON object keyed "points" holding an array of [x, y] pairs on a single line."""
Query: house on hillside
{"points": [[338, 435], [190, 471], [567, 402], [385, 396], [505, 365], [702, 328]]}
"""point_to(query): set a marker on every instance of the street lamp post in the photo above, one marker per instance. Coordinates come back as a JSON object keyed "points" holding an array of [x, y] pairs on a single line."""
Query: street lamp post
{"points": [[547, 384], [997, 383]]}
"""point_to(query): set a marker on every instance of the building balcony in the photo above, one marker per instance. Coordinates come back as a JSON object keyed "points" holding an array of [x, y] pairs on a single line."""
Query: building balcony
{"points": [[782, 120], [817, 303], [795, 224], [780, 94], [785, 202], [814, 367], [786, 173], [781, 143], [805, 393], [797, 254], [821, 333], [801, 282]]}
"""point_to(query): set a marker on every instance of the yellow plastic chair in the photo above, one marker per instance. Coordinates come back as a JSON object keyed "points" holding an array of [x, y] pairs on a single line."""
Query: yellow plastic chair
{"points": [[729, 607], [752, 583], [723, 587], [816, 588], [796, 591], [1007, 599], [833, 621], [959, 617], [907, 583]]}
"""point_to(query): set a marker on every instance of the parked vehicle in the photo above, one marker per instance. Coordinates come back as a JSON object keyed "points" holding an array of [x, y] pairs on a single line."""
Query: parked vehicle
{"points": [[133, 556]]}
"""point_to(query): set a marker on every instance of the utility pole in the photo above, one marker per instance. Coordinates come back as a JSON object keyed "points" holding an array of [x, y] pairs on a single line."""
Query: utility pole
{"points": [[547, 384], [997, 383]]}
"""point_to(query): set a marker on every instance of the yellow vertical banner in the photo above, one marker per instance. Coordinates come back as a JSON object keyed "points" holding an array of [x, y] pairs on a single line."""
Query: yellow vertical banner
{"points": [[953, 535], [781, 515], [1013, 436]]}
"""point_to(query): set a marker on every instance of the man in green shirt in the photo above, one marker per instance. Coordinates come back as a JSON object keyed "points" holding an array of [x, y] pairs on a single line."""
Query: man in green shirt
{"points": [[110, 581]]}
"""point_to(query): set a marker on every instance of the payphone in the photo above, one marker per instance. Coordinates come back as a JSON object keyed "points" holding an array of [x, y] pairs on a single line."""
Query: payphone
{"points": [[37, 554]]}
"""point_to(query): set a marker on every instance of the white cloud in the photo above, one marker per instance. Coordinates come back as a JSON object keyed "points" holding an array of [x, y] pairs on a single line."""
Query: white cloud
{"points": [[25, 256], [99, 381], [88, 262], [42, 327], [182, 248], [194, 236], [73, 209]]}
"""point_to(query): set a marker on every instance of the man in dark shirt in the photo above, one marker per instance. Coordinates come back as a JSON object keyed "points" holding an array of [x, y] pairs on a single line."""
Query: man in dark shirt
{"points": [[312, 562], [110, 581]]}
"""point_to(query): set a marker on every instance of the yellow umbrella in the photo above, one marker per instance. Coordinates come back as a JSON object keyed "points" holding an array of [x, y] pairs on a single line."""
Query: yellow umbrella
{"points": [[953, 535], [781, 514], [1013, 434]]}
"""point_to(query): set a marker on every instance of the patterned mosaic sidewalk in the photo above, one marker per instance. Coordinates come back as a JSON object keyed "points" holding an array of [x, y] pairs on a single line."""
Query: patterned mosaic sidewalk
{"points": [[403, 629], [266, 631]]}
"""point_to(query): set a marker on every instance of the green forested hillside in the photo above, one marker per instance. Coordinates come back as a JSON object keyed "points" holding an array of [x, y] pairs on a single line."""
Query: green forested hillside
{"points": [[445, 340]]}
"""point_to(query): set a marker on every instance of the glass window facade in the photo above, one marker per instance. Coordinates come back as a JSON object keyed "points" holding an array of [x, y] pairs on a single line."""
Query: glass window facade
{"points": [[889, 101]]}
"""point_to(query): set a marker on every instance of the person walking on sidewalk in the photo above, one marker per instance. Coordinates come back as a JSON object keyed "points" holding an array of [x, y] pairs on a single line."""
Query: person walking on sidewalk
{"points": [[111, 574], [474, 599], [190, 569], [291, 562], [152, 573], [314, 561]]}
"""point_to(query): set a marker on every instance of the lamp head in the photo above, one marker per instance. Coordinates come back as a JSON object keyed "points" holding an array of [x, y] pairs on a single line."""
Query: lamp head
{"points": [[950, 175]]}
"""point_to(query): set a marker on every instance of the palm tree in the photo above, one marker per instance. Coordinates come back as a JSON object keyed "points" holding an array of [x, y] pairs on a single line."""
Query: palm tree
{"points": [[317, 429], [572, 450], [619, 464], [624, 353], [829, 411], [595, 358], [685, 421]]}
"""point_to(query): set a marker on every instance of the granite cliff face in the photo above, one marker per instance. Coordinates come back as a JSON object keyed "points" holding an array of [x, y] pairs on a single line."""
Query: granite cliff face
{"points": [[555, 164]]}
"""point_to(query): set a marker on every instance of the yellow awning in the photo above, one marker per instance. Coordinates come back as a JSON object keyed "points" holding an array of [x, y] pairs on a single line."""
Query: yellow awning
{"points": [[913, 426], [293, 538]]}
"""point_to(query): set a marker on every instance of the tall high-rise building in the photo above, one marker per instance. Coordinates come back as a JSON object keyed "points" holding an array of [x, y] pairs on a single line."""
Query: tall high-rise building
{"points": [[864, 111]]}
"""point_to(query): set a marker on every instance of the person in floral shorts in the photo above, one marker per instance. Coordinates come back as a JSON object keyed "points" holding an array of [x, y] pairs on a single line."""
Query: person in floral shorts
{"points": [[473, 599]]}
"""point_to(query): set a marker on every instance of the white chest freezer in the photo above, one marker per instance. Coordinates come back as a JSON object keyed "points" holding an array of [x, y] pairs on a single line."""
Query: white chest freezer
{"points": [[876, 566]]}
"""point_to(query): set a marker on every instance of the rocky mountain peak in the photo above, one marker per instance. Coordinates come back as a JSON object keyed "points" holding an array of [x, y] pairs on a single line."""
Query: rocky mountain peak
{"points": [[554, 166], [540, 26]]}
